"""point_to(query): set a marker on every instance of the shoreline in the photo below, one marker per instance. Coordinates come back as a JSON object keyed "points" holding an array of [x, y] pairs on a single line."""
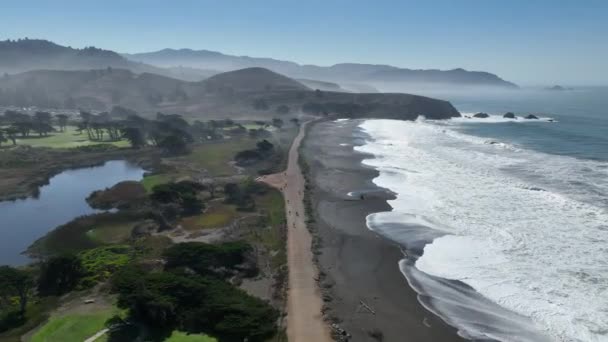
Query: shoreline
{"points": [[33, 177], [363, 289]]}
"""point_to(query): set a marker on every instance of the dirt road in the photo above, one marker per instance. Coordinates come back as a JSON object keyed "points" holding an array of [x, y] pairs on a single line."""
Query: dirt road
{"points": [[304, 319]]}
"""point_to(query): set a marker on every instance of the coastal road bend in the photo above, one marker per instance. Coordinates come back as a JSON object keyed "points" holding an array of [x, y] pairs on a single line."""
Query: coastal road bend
{"points": [[304, 318]]}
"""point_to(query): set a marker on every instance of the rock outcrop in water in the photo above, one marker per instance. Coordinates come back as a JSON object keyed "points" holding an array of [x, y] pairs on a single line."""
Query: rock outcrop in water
{"points": [[531, 117], [481, 115], [509, 115]]}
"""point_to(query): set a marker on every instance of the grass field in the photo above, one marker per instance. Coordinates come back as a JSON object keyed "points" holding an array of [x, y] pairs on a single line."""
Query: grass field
{"points": [[111, 233], [69, 138], [73, 327], [217, 216], [149, 182], [274, 238], [178, 336], [215, 157]]}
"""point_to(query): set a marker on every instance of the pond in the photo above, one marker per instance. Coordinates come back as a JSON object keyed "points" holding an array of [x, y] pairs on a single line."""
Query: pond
{"points": [[24, 221]]}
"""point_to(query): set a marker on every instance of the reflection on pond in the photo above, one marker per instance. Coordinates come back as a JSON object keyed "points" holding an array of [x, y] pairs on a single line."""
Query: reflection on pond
{"points": [[63, 199]]}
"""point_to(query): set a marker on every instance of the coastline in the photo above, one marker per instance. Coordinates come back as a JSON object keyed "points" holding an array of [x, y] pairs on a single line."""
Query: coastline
{"points": [[364, 291]]}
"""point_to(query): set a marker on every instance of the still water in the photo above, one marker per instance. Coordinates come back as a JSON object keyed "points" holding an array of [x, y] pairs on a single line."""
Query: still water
{"points": [[24, 221]]}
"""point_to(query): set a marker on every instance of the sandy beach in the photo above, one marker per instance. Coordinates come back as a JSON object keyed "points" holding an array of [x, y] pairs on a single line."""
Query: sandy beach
{"points": [[363, 289]]}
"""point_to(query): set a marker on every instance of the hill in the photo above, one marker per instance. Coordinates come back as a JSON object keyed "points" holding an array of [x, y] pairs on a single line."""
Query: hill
{"points": [[253, 93], [252, 80], [321, 85], [24, 55], [17, 56], [343, 72], [91, 89]]}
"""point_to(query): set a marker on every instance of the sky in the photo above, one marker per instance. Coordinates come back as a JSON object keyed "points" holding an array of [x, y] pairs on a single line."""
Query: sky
{"points": [[533, 42]]}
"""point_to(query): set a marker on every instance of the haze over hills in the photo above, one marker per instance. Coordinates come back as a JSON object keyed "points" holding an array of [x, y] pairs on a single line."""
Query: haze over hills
{"points": [[190, 65], [47, 75], [343, 72], [242, 94], [253, 79], [36, 54]]}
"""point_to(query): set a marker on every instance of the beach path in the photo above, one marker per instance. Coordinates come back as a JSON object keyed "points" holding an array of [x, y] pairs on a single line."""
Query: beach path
{"points": [[304, 318]]}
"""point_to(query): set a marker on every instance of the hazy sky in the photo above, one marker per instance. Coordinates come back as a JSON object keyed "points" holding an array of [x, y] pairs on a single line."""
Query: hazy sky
{"points": [[528, 42]]}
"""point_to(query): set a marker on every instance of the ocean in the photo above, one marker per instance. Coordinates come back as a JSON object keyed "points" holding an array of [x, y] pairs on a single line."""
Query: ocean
{"points": [[504, 222]]}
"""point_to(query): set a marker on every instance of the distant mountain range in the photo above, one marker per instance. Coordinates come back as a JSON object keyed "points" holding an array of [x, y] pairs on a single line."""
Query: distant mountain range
{"points": [[345, 72], [35, 54], [204, 85], [192, 65]]}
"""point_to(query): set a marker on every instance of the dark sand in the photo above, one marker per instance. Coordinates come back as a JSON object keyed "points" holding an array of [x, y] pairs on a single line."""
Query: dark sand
{"points": [[360, 265]]}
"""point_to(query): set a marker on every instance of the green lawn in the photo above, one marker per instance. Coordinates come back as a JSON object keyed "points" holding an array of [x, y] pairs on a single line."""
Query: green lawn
{"points": [[219, 215], [72, 327], [149, 182], [179, 336], [253, 126], [111, 232], [69, 138], [215, 157]]}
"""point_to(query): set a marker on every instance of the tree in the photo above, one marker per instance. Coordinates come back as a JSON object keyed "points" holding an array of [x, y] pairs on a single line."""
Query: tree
{"points": [[191, 205], [11, 133], [43, 123], [21, 122], [62, 121], [164, 301], [205, 258], [173, 144], [86, 118], [232, 192], [135, 136], [2, 137], [265, 146], [59, 275], [295, 121], [282, 109], [183, 194], [16, 282], [278, 123]]}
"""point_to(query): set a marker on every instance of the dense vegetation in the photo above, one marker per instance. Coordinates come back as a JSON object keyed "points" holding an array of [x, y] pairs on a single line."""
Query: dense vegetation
{"points": [[187, 287], [190, 295]]}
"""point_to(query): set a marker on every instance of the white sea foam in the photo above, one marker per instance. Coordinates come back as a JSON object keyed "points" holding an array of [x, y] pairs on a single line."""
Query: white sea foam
{"points": [[527, 230], [493, 118]]}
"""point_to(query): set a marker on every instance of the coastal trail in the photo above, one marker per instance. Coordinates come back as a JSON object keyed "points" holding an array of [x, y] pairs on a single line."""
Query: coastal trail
{"points": [[304, 318]]}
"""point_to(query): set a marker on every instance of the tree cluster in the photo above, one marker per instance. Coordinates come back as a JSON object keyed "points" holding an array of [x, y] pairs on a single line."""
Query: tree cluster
{"points": [[182, 195], [241, 194], [190, 296], [263, 150], [22, 125]]}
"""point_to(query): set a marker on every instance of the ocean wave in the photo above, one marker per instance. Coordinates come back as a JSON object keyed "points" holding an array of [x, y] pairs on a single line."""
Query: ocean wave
{"points": [[540, 254], [495, 118]]}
